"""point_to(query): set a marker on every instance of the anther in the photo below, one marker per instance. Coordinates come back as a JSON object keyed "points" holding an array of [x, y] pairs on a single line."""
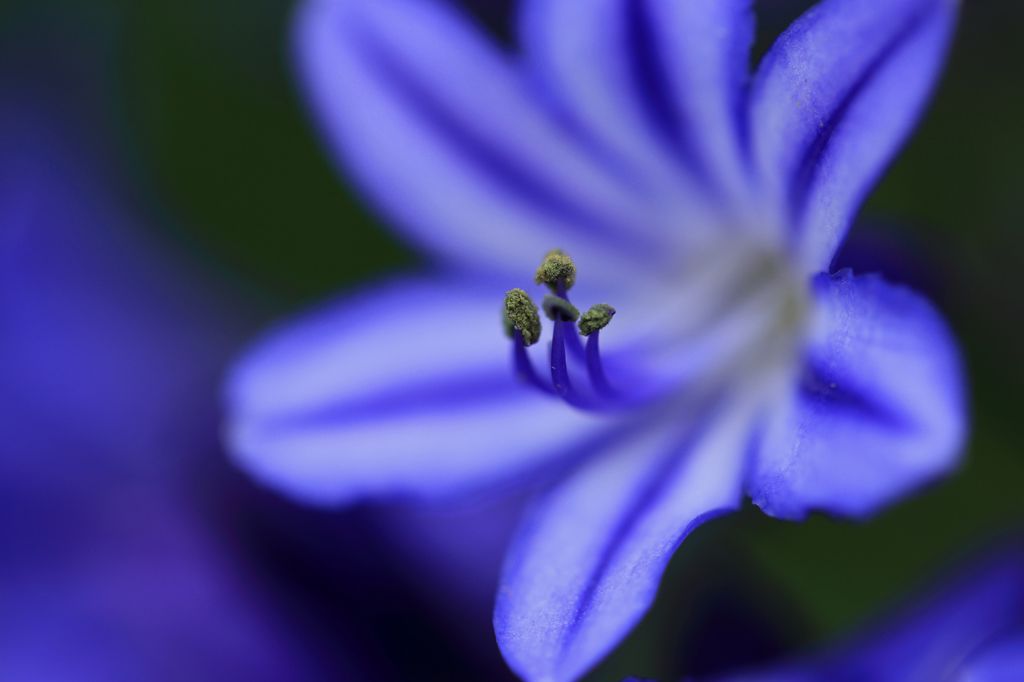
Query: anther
{"points": [[591, 323], [523, 325], [556, 266], [510, 327], [595, 319], [522, 313], [560, 310]]}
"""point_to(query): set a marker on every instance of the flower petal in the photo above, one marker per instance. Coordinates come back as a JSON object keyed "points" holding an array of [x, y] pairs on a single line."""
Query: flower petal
{"points": [[969, 625], [658, 85], [705, 53], [406, 390], [880, 412], [111, 352], [102, 327], [833, 100], [1002, 661], [445, 134], [587, 560], [123, 579]]}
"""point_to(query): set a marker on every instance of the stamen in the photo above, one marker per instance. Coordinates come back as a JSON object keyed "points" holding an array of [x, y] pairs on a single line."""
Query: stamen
{"points": [[594, 367], [596, 318], [506, 321], [559, 371], [557, 266], [524, 368], [523, 324], [522, 312], [591, 324], [564, 314], [559, 309], [575, 347]]}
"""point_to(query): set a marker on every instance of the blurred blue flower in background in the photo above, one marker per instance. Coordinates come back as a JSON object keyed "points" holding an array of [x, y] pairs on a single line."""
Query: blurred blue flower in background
{"points": [[111, 347], [706, 207], [968, 629]]}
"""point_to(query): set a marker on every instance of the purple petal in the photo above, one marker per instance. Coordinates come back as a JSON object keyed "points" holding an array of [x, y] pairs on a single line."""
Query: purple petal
{"points": [[833, 100], [705, 53], [587, 560], [968, 627], [444, 133], [452, 555], [405, 390], [130, 584], [880, 412], [103, 328], [1002, 661], [111, 354], [658, 84]]}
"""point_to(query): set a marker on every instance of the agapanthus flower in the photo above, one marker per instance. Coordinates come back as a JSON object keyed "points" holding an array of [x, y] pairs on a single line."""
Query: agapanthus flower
{"points": [[704, 206], [968, 629]]}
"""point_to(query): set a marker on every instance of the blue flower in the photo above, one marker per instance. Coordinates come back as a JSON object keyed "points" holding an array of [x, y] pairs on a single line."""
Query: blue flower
{"points": [[969, 629], [704, 205]]}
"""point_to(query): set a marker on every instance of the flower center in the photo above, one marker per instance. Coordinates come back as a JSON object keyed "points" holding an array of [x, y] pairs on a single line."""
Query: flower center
{"points": [[558, 272], [733, 315]]}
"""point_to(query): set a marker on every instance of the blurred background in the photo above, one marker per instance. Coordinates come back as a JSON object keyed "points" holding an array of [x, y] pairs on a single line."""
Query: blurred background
{"points": [[188, 111]]}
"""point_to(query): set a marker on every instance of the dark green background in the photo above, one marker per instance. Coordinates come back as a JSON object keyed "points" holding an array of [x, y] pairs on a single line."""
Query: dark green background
{"points": [[207, 119]]}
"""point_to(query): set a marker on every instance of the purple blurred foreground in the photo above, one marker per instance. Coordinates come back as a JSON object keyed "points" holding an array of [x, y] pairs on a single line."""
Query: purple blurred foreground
{"points": [[111, 352]]}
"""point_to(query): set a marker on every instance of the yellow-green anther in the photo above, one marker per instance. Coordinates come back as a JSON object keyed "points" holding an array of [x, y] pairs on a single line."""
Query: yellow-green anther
{"points": [[507, 322], [522, 313], [596, 318], [560, 309], [556, 266]]}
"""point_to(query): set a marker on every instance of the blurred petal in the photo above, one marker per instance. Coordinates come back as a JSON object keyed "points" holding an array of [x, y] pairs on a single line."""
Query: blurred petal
{"points": [[705, 55], [833, 100], [128, 585], [969, 625], [452, 555], [406, 390], [1002, 661], [658, 84], [111, 355], [119, 341], [880, 413], [445, 135], [588, 558]]}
